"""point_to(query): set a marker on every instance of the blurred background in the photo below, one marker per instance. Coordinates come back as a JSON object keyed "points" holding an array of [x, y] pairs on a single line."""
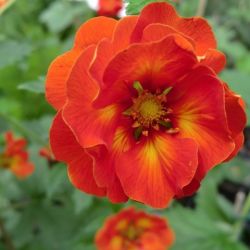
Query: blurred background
{"points": [[44, 212]]}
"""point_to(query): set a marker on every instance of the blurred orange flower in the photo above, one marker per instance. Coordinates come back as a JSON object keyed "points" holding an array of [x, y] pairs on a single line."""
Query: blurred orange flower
{"points": [[3, 3], [141, 111], [109, 7], [15, 157], [134, 230]]}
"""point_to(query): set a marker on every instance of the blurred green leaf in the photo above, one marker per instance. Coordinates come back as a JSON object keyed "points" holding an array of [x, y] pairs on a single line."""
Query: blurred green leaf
{"points": [[135, 6], [57, 180], [13, 51], [81, 200], [195, 230], [34, 86], [61, 14]]}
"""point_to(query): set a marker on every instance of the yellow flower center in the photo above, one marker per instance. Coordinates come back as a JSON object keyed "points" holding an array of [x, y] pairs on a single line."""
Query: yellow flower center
{"points": [[149, 111]]}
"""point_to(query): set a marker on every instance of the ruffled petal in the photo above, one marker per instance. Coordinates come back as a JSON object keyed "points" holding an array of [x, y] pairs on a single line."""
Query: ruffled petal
{"points": [[107, 48], [154, 13], [196, 28], [80, 165], [58, 73], [236, 118], [153, 170], [91, 126], [94, 30], [239, 141], [104, 170], [154, 65], [158, 31], [198, 102], [200, 31], [214, 59], [57, 76], [235, 111]]}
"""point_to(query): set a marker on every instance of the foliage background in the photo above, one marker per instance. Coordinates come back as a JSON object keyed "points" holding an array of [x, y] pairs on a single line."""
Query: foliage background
{"points": [[45, 212]]}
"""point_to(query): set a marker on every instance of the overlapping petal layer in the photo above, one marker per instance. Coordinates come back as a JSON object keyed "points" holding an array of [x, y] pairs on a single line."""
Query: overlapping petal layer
{"points": [[66, 148], [88, 34], [155, 65], [141, 112], [154, 170], [91, 126]]}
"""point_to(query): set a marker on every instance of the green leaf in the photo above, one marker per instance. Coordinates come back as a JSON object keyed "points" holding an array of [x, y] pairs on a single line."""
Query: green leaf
{"points": [[135, 6], [81, 200], [36, 86], [61, 14], [210, 202], [195, 230], [12, 52]]}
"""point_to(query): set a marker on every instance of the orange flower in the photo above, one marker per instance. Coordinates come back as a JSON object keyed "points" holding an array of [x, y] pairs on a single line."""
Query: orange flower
{"points": [[134, 230], [15, 157], [141, 112], [109, 7]]}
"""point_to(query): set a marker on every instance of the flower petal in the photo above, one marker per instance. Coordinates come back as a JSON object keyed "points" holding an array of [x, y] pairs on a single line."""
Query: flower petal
{"points": [[239, 141], [104, 170], [235, 111], [196, 28], [158, 31], [236, 118], [90, 126], [214, 59], [199, 111], [57, 76], [94, 30], [154, 65], [107, 48], [22, 169], [156, 168], [80, 165]]}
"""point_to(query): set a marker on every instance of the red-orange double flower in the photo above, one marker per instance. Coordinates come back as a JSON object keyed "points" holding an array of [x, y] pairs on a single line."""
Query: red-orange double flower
{"points": [[141, 112], [15, 157], [134, 230], [109, 7]]}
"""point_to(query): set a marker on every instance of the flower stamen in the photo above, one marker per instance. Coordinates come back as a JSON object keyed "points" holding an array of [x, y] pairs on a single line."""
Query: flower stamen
{"points": [[149, 111]]}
